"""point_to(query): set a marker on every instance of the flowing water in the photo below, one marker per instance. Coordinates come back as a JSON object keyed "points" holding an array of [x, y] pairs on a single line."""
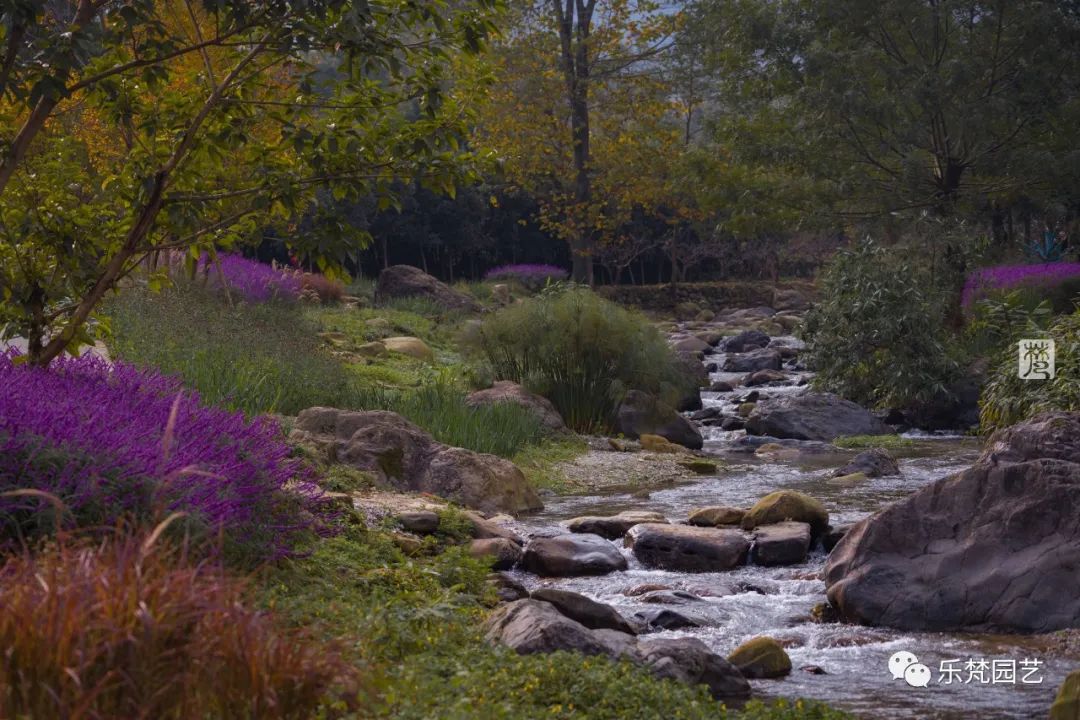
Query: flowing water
{"points": [[777, 601]]}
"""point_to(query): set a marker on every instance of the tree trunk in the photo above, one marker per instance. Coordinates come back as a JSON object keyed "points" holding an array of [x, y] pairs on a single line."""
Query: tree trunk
{"points": [[575, 62]]}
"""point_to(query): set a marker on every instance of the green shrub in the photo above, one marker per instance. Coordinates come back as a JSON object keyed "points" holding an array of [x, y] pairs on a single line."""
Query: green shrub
{"points": [[578, 350], [1004, 317], [1007, 399], [878, 336]]}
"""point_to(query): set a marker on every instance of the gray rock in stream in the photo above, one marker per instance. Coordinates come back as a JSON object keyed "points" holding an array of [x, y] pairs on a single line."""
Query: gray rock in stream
{"points": [[752, 361], [533, 626], [783, 543], [613, 527], [687, 549], [875, 462], [593, 615], [995, 547], [690, 661], [572, 555], [812, 416], [642, 414]]}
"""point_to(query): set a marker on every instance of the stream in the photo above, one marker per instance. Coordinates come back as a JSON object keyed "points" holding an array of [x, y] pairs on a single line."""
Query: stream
{"points": [[777, 601]]}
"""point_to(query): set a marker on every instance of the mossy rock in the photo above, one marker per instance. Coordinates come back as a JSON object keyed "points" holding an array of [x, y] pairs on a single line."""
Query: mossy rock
{"points": [[1067, 703], [657, 444], [746, 408], [848, 480], [787, 505], [411, 346], [761, 657], [716, 516]]}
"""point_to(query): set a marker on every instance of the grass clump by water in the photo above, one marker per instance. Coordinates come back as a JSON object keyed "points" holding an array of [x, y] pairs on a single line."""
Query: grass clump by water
{"points": [[440, 407], [539, 462], [257, 358], [580, 351]]}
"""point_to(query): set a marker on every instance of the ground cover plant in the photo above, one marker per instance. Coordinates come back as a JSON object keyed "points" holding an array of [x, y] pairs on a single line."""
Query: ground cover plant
{"points": [[115, 441], [132, 627]]}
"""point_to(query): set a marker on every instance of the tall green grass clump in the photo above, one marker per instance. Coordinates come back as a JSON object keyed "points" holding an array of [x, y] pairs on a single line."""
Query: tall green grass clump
{"points": [[440, 408], [578, 350], [1007, 399], [253, 357]]}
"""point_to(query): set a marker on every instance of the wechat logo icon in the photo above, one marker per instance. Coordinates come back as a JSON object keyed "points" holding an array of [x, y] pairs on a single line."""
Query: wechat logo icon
{"points": [[905, 665]]}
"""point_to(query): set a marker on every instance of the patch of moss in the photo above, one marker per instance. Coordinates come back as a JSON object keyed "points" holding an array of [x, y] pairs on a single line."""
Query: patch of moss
{"points": [[538, 462], [860, 442]]}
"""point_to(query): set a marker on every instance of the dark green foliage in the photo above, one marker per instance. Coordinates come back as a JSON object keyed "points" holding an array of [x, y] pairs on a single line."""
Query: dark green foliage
{"points": [[1007, 399], [1002, 318], [580, 351], [878, 337]]}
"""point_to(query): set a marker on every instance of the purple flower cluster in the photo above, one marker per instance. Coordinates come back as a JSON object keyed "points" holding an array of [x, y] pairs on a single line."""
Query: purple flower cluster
{"points": [[255, 281], [1006, 277], [106, 440], [529, 275]]}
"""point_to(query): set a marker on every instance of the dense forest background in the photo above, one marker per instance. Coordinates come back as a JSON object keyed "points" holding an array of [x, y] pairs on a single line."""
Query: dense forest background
{"points": [[749, 139]]}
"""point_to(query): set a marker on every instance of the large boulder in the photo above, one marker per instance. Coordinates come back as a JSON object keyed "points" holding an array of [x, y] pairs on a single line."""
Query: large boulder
{"points": [[761, 657], [613, 527], [404, 456], [784, 505], [534, 626], [642, 414], [695, 377], [784, 543], [745, 341], [766, 359], [593, 615], [812, 416], [875, 462], [690, 661], [505, 391], [686, 548], [503, 554], [691, 344], [995, 547], [572, 555], [398, 281]]}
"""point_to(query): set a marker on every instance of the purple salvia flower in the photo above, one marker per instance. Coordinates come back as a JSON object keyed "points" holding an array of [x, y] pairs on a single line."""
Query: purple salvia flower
{"points": [[1006, 277], [91, 433]]}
